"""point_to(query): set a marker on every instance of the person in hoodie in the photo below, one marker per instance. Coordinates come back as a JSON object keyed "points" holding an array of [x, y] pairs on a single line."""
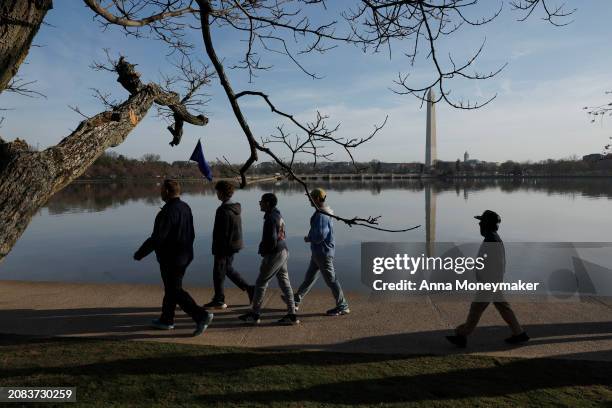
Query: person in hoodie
{"points": [[322, 246], [227, 241], [274, 252]]}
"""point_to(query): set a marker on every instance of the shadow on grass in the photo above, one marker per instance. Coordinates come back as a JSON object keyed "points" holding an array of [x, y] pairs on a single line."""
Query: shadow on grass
{"points": [[281, 377]]}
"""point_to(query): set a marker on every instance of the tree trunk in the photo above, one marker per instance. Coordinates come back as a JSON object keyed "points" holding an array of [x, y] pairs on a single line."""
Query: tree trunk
{"points": [[28, 179], [19, 23]]}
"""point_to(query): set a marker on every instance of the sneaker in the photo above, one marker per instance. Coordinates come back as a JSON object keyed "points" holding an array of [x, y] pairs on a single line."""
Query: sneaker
{"points": [[250, 317], [296, 301], [215, 305], [203, 324], [517, 339], [338, 311], [158, 324], [458, 340], [290, 319], [250, 290]]}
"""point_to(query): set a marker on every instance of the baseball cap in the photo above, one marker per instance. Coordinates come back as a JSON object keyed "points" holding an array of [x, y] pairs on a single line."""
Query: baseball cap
{"points": [[489, 216], [318, 193]]}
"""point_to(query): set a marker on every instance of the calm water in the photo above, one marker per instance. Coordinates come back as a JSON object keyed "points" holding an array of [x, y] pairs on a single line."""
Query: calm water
{"points": [[88, 232]]}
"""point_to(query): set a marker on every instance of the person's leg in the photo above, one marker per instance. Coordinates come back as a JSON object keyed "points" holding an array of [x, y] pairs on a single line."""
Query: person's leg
{"points": [[234, 275], [476, 311], [219, 270], [269, 266], [309, 279], [183, 298], [509, 317], [284, 283], [169, 301], [329, 274]]}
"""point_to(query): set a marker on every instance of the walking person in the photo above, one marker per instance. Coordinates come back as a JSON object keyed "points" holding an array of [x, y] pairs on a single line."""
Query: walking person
{"points": [[493, 250], [172, 241], [227, 241], [322, 246], [274, 252]]}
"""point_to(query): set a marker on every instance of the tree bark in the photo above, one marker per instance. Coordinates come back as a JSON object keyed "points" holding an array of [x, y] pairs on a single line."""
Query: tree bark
{"points": [[28, 179], [19, 23]]}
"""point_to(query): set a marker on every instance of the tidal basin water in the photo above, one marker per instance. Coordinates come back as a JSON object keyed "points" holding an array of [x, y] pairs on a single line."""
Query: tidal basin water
{"points": [[89, 231]]}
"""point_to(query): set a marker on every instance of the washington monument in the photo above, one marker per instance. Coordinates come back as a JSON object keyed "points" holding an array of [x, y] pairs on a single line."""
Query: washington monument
{"points": [[430, 142]]}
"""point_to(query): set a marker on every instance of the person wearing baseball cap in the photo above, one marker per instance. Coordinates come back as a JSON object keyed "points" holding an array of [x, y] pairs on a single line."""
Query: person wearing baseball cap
{"points": [[322, 247], [495, 267]]}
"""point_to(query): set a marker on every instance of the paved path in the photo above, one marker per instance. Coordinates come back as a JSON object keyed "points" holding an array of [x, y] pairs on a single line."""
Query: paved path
{"points": [[581, 330]]}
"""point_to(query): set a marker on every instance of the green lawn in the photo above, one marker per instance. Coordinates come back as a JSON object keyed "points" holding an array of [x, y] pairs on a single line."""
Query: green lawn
{"points": [[120, 373]]}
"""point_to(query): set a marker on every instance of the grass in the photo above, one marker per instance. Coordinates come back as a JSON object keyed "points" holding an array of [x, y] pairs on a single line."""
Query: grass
{"points": [[128, 373]]}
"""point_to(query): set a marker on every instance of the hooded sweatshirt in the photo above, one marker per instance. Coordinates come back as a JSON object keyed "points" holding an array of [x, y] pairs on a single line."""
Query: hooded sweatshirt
{"points": [[321, 233], [227, 232], [273, 234]]}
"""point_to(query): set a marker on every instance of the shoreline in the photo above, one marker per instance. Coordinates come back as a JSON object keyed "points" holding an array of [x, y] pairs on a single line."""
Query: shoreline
{"points": [[357, 177]]}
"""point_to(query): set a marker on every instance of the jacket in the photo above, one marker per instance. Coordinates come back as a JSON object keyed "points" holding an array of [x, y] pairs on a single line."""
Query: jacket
{"points": [[321, 234], [273, 234], [227, 232], [492, 249], [173, 235]]}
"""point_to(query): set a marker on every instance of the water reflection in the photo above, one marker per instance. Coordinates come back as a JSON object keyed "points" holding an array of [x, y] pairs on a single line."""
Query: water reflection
{"points": [[91, 197], [88, 231]]}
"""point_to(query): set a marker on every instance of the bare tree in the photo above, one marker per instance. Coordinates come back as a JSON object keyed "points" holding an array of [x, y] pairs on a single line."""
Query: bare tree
{"points": [[288, 27], [600, 112]]}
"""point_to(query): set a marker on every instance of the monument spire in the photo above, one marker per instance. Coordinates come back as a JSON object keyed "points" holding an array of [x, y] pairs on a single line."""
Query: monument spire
{"points": [[430, 141]]}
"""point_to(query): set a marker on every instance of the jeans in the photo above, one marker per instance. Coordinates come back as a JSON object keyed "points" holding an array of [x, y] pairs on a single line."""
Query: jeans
{"points": [[275, 264], [222, 268], [325, 265], [172, 276]]}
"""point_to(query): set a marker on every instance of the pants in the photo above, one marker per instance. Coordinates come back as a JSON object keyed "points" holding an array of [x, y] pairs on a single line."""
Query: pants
{"points": [[324, 264], [222, 268], [476, 311], [275, 264], [174, 294]]}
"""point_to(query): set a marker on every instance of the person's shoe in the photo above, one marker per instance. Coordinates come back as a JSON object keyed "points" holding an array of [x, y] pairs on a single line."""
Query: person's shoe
{"points": [[158, 324], [296, 301], [250, 290], [250, 317], [458, 340], [203, 324], [215, 305], [517, 338], [289, 319], [338, 311]]}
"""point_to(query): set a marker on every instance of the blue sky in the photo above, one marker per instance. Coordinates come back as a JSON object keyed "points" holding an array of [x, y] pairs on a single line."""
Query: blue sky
{"points": [[552, 73]]}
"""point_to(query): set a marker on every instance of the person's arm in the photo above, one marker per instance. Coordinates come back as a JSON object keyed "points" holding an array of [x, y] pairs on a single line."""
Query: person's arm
{"points": [[269, 236], [319, 228], [161, 229], [221, 232]]}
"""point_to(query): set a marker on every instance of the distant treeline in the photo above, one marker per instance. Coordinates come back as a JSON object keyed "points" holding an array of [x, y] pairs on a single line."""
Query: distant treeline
{"points": [[115, 166], [550, 167]]}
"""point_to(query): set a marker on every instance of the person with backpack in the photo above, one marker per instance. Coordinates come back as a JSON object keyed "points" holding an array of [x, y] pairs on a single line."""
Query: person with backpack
{"points": [[274, 252]]}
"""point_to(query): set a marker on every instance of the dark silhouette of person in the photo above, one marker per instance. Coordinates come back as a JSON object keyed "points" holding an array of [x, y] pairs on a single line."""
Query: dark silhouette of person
{"points": [[226, 242], [172, 241], [493, 250]]}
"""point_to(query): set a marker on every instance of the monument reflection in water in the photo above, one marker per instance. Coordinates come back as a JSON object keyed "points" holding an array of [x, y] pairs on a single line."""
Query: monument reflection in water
{"points": [[89, 231]]}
